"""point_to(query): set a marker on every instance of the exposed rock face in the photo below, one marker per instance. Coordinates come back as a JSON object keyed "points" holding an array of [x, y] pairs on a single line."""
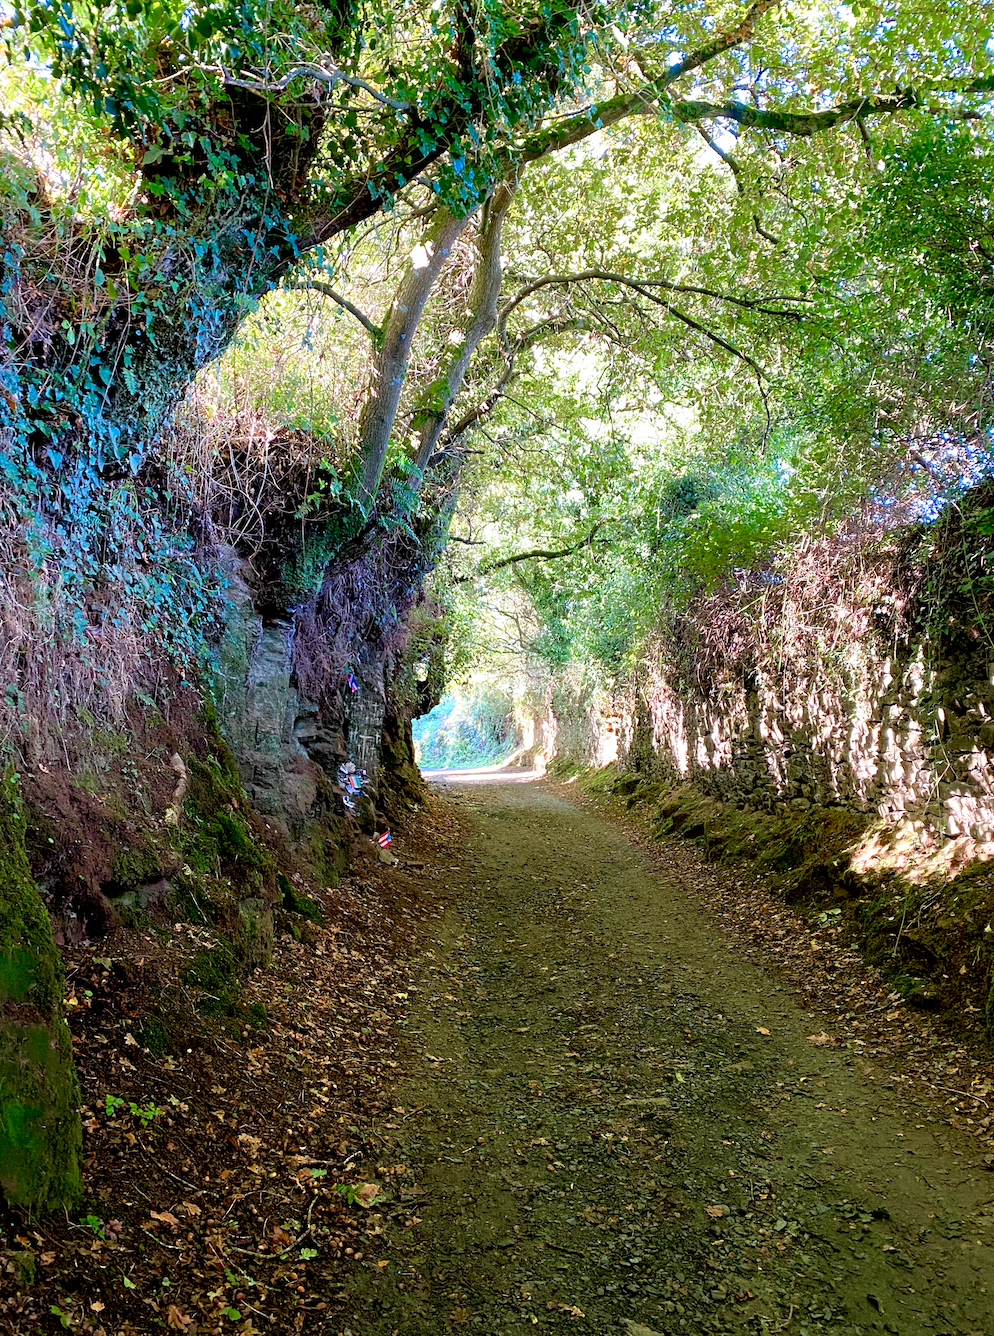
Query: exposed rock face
{"points": [[905, 738], [288, 747]]}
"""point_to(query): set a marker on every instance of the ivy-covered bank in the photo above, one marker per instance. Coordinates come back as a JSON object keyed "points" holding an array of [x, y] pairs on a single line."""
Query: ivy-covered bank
{"points": [[127, 829], [40, 1134]]}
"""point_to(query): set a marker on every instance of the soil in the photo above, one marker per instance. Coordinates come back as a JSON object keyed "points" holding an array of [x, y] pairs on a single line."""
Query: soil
{"points": [[542, 1073], [612, 1120]]}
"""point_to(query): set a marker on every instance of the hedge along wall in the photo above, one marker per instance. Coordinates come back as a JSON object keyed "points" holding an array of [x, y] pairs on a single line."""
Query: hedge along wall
{"points": [[841, 677]]}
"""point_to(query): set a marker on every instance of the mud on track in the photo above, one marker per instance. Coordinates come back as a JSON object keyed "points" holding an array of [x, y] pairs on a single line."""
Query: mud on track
{"points": [[613, 1124]]}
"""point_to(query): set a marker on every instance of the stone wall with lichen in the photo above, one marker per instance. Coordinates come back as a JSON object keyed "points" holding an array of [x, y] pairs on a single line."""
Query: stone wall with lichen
{"points": [[908, 742], [864, 692]]}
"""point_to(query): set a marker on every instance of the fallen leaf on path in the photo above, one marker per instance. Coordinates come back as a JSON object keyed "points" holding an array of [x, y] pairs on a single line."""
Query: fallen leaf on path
{"points": [[761, 1029], [821, 1039], [367, 1194]]}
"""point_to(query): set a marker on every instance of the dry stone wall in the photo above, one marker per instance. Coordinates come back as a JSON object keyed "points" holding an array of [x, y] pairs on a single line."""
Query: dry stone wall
{"points": [[905, 738]]}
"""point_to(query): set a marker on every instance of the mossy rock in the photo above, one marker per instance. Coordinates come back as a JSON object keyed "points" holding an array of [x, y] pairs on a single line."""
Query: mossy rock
{"points": [[224, 863], [295, 903], [154, 1036], [40, 1132], [253, 940], [135, 867], [213, 783], [22, 1265], [235, 842], [215, 972]]}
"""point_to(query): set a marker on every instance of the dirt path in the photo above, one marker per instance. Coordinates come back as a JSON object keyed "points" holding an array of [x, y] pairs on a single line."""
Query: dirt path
{"points": [[613, 1124]]}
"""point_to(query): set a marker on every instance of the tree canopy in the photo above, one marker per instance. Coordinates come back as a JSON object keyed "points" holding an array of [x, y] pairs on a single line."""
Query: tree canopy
{"points": [[666, 280]]}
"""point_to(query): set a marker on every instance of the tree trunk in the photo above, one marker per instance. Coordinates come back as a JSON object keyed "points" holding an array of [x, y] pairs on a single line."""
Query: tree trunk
{"points": [[484, 294], [379, 412]]}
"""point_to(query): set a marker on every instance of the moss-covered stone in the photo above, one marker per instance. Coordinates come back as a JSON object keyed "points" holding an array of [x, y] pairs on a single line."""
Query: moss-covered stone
{"points": [[400, 785], [295, 903], [215, 972], [135, 867], [40, 1133], [154, 1036], [22, 1264], [253, 941]]}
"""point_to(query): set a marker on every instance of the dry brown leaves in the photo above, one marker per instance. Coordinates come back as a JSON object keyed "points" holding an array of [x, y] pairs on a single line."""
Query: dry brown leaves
{"points": [[239, 1203]]}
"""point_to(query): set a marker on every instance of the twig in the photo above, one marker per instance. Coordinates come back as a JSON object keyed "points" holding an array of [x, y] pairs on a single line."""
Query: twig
{"points": [[320, 75], [964, 1093]]}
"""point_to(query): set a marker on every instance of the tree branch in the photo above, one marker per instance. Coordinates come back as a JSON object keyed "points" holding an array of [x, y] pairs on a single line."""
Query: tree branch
{"points": [[726, 158], [803, 123], [644, 100], [536, 554], [430, 418], [640, 285], [379, 411], [319, 74], [722, 42], [551, 327], [689, 321], [326, 290]]}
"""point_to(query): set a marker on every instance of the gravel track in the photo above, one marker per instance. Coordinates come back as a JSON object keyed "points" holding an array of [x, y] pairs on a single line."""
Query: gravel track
{"points": [[612, 1122]]}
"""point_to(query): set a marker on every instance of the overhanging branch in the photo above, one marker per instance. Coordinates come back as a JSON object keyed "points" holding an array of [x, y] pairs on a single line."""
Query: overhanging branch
{"points": [[535, 554], [330, 77], [640, 284], [326, 290]]}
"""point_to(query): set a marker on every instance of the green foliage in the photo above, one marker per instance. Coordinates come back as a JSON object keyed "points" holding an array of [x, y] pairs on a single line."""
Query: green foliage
{"points": [[873, 406], [933, 207], [471, 727], [947, 571], [114, 1105]]}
